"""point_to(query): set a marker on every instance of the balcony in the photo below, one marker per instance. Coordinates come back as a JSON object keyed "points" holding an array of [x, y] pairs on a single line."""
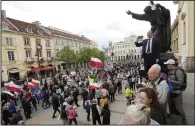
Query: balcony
{"points": [[49, 59], [27, 46], [41, 59], [29, 60], [12, 62]]}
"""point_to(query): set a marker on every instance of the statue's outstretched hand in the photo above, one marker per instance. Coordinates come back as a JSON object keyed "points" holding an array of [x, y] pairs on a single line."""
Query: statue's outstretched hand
{"points": [[129, 12]]}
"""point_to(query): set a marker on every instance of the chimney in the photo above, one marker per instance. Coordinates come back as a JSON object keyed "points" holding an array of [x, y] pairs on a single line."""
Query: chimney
{"points": [[36, 23], [3, 13]]}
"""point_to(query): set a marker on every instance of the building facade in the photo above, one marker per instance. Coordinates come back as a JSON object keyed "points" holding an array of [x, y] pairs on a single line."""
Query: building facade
{"points": [[19, 42], [11, 46], [186, 33], [127, 48], [174, 38]]}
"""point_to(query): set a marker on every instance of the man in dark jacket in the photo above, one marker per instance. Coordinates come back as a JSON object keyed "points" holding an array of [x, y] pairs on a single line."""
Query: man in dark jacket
{"points": [[95, 113], [75, 96], [34, 102], [150, 51], [85, 96], [111, 92], [56, 104]]}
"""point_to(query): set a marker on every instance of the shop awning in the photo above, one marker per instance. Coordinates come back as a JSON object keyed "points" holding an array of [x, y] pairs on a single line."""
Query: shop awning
{"points": [[47, 68], [13, 70], [44, 68]]}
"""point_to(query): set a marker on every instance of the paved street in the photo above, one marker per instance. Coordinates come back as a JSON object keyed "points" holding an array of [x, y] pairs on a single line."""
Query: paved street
{"points": [[117, 109], [188, 99]]}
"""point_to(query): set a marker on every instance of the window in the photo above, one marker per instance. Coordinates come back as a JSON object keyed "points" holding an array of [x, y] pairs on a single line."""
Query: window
{"points": [[47, 43], [57, 51], [48, 53], [26, 41], [9, 41], [38, 41], [184, 33], [39, 53], [177, 44], [11, 56], [4, 25], [56, 42], [28, 30], [28, 53]]}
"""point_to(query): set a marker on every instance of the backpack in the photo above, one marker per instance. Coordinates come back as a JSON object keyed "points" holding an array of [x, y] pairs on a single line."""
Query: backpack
{"points": [[183, 87], [168, 82]]}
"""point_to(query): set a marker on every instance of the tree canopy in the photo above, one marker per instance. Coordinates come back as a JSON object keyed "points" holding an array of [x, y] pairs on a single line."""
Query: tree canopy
{"points": [[87, 53], [67, 55]]}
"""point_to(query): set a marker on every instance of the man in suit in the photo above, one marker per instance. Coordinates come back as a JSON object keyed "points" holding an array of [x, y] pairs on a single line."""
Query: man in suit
{"points": [[150, 51]]}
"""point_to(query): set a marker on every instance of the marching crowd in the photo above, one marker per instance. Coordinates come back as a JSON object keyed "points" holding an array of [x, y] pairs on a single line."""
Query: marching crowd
{"points": [[150, 99]]}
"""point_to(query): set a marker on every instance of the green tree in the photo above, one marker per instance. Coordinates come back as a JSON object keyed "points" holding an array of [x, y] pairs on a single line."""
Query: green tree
{"points": [[67, 55], [87, 53]]}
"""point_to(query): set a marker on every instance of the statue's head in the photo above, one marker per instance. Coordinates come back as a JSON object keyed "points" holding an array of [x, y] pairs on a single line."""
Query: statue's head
{"points": [[147, 9]]}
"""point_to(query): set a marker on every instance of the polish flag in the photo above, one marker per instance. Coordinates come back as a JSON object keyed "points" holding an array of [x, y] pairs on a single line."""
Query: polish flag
{"points": [[12, 86], [35, 82], [94, 85], [31, 85], [95, 62]]}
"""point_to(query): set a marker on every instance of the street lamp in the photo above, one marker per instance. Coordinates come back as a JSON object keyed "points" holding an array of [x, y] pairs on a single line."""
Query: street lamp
{"points": [[39, 48]]}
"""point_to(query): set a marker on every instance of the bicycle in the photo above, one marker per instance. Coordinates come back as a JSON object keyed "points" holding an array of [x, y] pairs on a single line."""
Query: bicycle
{"points": [[45, 104]]}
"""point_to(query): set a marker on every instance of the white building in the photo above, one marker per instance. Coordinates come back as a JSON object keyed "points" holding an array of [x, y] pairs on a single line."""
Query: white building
{"points": [[126, 48]]}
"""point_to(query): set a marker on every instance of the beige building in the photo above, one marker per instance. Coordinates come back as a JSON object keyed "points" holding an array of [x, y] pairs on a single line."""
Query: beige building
{"points": [[19, 40], [186, 33], [174, 38]]}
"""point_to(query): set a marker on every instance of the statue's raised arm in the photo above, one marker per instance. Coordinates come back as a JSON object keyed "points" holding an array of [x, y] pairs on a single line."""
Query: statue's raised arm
{"points": [[142, 17]]}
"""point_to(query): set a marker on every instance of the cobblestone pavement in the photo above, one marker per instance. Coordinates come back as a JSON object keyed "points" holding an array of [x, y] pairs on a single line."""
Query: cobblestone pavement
{"points": [[117, 112]]}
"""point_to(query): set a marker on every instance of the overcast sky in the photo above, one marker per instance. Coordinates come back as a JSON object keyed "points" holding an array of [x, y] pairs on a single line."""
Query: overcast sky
{"points": [[100, 21]]}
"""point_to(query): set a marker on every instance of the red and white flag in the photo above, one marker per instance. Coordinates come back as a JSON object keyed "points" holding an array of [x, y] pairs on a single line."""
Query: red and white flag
{"points": [[31, 85], [94, 85], [35, 82], [12, 86], [95, 62]]}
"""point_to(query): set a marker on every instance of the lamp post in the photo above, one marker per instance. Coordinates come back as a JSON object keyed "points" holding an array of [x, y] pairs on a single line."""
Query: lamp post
{"points": [[112, 53], [39, 48]]}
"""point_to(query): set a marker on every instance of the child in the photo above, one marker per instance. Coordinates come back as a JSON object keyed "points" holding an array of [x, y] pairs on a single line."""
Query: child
{"points": [[87, 107], [128, 93]]}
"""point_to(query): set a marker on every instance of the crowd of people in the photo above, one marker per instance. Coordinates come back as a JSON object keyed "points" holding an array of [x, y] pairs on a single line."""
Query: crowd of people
{"points": [[149, 99]]}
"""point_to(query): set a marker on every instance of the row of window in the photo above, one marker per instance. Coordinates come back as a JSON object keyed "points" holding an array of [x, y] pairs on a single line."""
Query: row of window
{"points": [[174, 45], [123, 51], [9, 42], [174, 33], [11, 56], [70, 43], [123, 47]]}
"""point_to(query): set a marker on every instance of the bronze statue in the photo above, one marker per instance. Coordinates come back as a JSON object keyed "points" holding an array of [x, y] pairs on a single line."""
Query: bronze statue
{"points": [[159, 19]]}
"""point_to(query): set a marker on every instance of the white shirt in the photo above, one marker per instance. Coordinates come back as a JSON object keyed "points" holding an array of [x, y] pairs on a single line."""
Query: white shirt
{"points": [[149, 45]]}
